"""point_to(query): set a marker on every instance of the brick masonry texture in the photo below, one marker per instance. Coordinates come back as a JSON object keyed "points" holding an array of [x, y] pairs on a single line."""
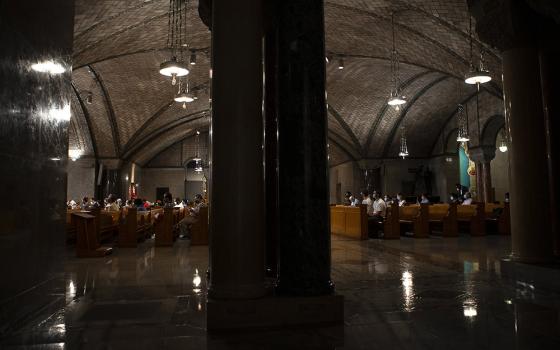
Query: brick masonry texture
{"points": [[123, 42]]}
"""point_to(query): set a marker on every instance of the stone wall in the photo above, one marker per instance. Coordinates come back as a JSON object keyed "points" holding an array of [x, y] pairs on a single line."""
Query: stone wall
{"points": [[81, 179]]}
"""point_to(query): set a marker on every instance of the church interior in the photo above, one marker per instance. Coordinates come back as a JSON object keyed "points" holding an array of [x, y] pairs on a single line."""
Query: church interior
{"points": [[296, 174]]}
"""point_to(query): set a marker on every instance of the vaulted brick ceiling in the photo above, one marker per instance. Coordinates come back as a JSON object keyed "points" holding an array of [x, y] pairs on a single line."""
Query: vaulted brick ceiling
{"points": [[119, 45]]}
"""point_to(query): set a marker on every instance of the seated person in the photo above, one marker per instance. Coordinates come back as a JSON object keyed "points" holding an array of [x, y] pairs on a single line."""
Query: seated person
{"points": [[379, 206], [112, 203], [86, 203], [350, 199], [368, 202], [453, 199], [424, 199], [168, 200], [400, 200], [139, 203], [468, 199]]}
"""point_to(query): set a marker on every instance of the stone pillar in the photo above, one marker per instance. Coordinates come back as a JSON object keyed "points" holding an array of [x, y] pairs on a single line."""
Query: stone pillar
{"points": [[237, 179], [530, 218], [549, 56], [35, 116], [271, 138], [482, 156], [303, 192]]}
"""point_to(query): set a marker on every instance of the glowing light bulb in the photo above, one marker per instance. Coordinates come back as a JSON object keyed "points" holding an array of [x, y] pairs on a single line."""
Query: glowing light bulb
{"points": [[196, 279]]}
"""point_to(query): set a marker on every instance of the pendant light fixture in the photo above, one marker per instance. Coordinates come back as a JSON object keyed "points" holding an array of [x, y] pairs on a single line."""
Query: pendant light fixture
{"points": [[74, 153], [183, 95], [404, 148], [197, 159], [503, 144], [462, 124], [476, 75], [396, 97], [176, 41]]}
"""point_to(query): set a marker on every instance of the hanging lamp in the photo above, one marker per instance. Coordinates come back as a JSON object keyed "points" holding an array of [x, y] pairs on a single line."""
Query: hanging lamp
{"points": [[176, 41], [462, 125], [183, 95], [503, 144], [476, 75], [404, 148], [396, 98]]}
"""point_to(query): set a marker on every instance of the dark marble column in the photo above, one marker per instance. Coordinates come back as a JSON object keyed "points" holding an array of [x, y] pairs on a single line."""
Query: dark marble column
{"points": [[530, 218], [517, 29], [237, 175], [34, 118], [303, 192], [271, 138], [549, 56]]}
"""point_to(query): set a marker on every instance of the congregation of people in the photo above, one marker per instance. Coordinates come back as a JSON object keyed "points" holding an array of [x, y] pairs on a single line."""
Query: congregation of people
{"points": [[377, 204], [113, 204]]}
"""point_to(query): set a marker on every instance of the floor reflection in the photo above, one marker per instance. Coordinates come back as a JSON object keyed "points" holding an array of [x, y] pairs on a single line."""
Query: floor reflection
{"points": [[407, 294]]}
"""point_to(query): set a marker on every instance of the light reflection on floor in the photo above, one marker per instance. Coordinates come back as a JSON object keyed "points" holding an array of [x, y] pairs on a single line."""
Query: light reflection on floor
{"points": [[426, 294]]}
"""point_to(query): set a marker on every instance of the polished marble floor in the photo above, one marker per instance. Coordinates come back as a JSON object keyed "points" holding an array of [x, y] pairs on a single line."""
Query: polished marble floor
{"points": [[405, 294]]}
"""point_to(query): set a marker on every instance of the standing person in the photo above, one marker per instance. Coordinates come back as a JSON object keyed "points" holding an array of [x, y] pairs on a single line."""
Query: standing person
{"points": [[506, 197], [461, 190]]}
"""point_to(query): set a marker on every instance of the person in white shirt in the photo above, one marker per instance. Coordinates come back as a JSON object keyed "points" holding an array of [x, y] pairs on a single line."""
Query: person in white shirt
{"points": [[367, 201], [379, 206], [424, 199], [468, 199], [400, 200]]}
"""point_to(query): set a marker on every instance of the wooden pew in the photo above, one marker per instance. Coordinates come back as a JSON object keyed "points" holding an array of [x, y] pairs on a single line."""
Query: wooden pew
{"points": [[444, 216], [417, 216], [71, 225], [87, 244], [391, 225], [474, 216], [134, 227], [504, 222], [349, 221], [497, 217], [163, 227], [199, 230]]}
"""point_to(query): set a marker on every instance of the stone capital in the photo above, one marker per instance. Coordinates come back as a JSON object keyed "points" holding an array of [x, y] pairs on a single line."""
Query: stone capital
{"points": [[482, 154]]}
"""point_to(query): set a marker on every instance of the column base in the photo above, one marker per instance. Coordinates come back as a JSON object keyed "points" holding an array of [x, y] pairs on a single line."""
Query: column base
{"points": [[542, 275], [272, 312]]}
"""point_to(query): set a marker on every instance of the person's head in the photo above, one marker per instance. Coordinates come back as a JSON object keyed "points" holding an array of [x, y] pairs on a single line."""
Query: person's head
{"points": [[467, 195], [399, 196], [452, 196], [458, 186], [198, 197], [167, 197], [85, 200], [365, 193], [177, 200], [111, 198], [507, 195], [424, 196], [348, 194], [138, 202]]}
